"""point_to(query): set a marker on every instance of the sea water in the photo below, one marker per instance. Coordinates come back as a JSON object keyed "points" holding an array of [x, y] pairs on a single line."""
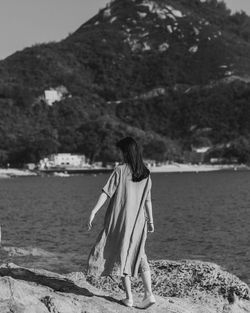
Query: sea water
{"points": [[201, 216]]}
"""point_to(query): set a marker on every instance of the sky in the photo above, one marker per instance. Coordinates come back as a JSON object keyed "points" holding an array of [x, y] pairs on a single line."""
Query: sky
{"points": [[24, 23]]}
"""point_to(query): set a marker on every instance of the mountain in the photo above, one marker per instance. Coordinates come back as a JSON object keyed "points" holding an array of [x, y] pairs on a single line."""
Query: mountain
{"points": [[173, 73]]}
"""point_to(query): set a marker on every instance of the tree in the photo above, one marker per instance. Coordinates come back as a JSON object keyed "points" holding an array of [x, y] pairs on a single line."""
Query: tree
{"points": [[34, 147], [239, 149], [161, 150], [93, 137]]}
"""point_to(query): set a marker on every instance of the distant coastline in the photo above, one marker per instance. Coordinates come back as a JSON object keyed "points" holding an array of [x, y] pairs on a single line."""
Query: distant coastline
{"points": [[180, 168], [168, 168], [13, 172]]}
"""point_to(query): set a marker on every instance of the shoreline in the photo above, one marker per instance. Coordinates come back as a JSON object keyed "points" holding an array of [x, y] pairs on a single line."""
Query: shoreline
{"points": [[180, 168], [168, 168], [14, 172]]}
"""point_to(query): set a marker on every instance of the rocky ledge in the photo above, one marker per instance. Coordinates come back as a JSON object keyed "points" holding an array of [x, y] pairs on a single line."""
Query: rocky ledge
{"points": [[181, 287]]}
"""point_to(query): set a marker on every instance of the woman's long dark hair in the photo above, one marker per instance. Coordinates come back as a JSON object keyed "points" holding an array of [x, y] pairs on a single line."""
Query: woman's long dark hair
{"points": [[132, 155]]}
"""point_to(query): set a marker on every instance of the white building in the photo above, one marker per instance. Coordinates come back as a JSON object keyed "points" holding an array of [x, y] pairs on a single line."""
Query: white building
{"points": [[56, 94], [63, 160], [52, 95], [201, 149]]}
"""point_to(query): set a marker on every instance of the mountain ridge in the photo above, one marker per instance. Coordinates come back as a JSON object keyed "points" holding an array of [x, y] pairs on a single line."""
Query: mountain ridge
{"points": [[145, 64]]}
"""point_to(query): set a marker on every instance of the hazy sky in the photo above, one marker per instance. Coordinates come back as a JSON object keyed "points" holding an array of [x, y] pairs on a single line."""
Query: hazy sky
{"points": [[27, 22]]}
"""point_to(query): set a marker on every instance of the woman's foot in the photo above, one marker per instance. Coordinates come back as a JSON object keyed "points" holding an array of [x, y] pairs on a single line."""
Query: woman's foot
{"points": [[147, 302], [127, 302]]}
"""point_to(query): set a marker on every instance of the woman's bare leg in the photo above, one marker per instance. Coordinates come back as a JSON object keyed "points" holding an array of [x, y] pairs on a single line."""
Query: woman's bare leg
{"points": [[127, 286], [146, 279]]}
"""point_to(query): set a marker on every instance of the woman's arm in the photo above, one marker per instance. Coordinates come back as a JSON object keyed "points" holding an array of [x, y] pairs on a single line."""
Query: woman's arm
{"points": [[100, 202], [148, 207]]}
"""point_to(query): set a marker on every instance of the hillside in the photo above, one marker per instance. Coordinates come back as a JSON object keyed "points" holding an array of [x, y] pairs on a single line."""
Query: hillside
{"points": [[174, 74]]}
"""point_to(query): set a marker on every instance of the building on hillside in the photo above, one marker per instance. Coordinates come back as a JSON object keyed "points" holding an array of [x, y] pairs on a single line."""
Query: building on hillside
{"points": [[52, 96], [63, 160], [201, 150], [196, 156], [55, 94]]}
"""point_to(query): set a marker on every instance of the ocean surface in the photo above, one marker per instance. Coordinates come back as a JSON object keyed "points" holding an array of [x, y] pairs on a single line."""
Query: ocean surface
{"points": [[202, 216]]}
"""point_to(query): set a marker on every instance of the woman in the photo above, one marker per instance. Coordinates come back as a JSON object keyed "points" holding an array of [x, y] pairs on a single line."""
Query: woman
{"points": [[120, 247]]}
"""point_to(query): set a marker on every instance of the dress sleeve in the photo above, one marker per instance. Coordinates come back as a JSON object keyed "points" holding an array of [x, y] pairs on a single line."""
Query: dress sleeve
{"points": [[112, 183], [148, 197]]}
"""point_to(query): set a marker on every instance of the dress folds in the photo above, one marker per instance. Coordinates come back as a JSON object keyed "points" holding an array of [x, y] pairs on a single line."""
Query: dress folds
{"points": [[120, 246]]}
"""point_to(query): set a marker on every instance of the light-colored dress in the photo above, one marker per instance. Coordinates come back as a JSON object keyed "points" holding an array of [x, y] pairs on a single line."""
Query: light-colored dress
{"points": [[120, 247]]}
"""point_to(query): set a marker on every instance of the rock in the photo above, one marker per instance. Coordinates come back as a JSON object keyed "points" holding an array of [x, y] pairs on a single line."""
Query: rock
{"points": [[181, 287]]}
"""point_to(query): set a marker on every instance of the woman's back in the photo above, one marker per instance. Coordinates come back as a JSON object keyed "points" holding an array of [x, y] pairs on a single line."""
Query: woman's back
{"points": [[125, 194], [125, 222]]}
